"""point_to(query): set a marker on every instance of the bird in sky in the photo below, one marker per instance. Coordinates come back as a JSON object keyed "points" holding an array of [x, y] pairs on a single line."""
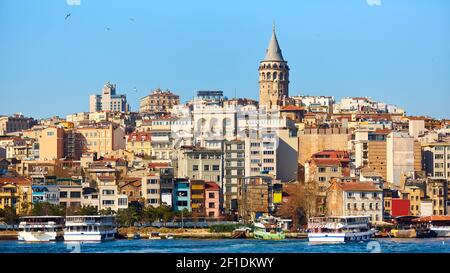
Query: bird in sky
{"points": [[68, 15], [132, 19], [108, 28]]}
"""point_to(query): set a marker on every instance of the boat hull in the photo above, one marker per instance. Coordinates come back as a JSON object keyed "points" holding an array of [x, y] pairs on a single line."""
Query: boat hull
{"points": [[89, 236], [40, 236], [340, 237], [441, 232], [269, 236]]}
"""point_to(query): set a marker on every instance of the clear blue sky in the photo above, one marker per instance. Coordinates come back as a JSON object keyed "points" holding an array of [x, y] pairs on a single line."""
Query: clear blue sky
{"points": [[397, 52]]}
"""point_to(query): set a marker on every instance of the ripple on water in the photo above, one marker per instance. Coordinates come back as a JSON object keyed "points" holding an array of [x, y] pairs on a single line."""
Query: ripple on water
{"points": [[435, 245]]}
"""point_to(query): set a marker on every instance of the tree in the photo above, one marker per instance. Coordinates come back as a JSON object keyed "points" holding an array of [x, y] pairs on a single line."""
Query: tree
{"points": [[301, 203], [128, 216], [45, 208], [9, 215]]}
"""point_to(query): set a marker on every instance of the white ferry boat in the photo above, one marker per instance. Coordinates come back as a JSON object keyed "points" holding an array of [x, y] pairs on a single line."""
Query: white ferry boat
{"points": [[339, 229], [90, 228], [41, 228]]}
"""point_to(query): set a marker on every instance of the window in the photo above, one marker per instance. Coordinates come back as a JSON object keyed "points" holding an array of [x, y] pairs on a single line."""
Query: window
{"points": [[211, 195], [182, 203], [206, 167], [350, 195], [322, 170], [62, 194], [216, 167], [75, 194], [108, 202], [211, 205], [195, 167]]}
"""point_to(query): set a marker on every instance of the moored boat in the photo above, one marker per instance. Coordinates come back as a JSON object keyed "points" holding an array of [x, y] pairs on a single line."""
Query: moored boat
{"points": [[90, 228], [41, 228], [335, 229], [268, 228], [439, 225]]}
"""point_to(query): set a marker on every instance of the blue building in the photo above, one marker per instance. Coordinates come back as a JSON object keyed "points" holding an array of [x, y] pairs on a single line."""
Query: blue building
{"points": [[181, 194]]}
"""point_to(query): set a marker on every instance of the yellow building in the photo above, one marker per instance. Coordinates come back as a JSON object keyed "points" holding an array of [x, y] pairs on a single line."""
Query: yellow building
{"points": [[15, 192], [414, 194], [139, 143], [100, 139]]}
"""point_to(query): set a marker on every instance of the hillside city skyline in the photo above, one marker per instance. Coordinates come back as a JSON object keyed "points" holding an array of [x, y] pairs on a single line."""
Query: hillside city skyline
{"points": [[390, 61]]}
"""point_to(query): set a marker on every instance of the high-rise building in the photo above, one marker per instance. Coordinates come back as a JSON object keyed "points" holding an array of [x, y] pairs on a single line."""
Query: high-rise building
{"points": [[273, 76], [108, 100]]}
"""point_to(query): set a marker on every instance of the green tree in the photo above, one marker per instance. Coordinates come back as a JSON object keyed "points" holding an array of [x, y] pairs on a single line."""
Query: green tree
{"points": [[9, 215], [128, 216], [45, 208]]}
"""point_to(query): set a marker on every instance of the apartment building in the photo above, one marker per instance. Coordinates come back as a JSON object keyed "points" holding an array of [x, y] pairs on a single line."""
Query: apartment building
{"points": [[234, 165], [139, 143], [159, 100], [436, 159], [212, 200], [108, 100], [181, 194], [355, 198], [101, 139], [438, 193], [200, 164], [15, 123], [151, 190]]}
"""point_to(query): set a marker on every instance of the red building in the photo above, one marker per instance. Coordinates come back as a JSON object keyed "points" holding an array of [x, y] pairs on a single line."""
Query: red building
{"points": [[400, 207]]}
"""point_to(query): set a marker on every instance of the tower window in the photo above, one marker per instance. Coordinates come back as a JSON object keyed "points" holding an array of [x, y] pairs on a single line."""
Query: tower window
{"points": [[268, 76], [274, 75]]}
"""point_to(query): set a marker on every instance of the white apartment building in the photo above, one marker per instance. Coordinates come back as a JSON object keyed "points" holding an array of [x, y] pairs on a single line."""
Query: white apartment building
{"points": [[436, 158]]}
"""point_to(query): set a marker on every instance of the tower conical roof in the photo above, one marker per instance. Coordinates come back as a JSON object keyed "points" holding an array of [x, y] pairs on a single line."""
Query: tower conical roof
{"points": [[273, 52]]}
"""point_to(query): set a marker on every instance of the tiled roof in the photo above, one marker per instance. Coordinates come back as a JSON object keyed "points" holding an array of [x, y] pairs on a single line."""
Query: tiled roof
{"points": [[211, 186], [358, 186], [15, 180]]}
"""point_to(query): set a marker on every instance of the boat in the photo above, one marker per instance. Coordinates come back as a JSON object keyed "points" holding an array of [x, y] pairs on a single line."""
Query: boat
{"points": [[90, 228], [438, 225], [268, 228], [154, 236], [241, 233], [41, 228], [339, 229], [405, 227]]}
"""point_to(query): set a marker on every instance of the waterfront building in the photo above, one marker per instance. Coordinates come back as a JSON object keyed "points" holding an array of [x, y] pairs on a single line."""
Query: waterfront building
{"points": [[158, 100], [438, 192], [273, 76], [258, 196], [70, 192], [151, 190], [90, 198], [108, 100], [198, 198], [181, 194], [109, 196], [165, 173], [210, 97], [132, 188], [414, 194], [212, 200], [355, 198], [15, 192]]}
